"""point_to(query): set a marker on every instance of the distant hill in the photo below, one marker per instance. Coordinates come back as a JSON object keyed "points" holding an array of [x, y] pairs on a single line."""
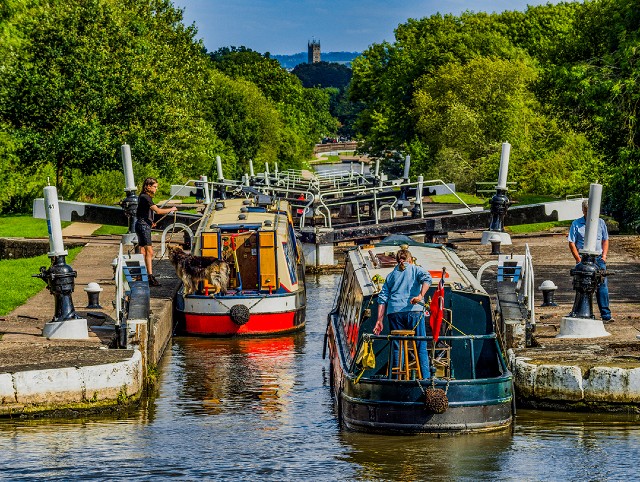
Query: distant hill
{"points": [[290, 61]]}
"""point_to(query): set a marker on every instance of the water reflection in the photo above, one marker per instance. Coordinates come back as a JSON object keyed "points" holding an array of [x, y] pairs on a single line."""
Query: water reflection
{"points": [[237, 375], [426, 457], [261, 409]]}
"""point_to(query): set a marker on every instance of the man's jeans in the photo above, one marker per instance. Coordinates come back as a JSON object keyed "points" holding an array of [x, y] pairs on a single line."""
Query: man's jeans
{"points": [[602, 293]]}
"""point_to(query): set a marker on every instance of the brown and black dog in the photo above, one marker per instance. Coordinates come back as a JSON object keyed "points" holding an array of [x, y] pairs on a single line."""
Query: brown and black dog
{"points": [[193, 269]]}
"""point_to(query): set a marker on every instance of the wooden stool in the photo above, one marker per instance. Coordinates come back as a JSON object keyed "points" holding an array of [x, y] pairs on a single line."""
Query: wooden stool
{"points": [[403, 370]]}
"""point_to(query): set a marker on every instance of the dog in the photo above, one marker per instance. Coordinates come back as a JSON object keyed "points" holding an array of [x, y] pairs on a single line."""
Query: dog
{"points": [[193, 269]]}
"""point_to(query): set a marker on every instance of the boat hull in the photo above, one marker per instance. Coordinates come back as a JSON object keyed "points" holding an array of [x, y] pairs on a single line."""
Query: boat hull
{"points": [[386, 406], [268, 315]]}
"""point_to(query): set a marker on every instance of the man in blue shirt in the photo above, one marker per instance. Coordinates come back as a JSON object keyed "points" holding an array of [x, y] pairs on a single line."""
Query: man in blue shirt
{"points": [[576, 243], [405, 286]]}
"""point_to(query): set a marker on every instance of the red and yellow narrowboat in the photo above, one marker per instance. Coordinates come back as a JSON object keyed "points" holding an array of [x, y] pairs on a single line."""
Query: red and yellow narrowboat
{"points": [[266, 294]]}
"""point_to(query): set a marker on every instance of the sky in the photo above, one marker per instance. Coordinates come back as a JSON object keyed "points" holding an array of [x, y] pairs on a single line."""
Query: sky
{"points": [[285, 26]]}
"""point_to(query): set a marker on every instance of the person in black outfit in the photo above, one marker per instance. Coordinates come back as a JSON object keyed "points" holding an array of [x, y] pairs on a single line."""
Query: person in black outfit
{"points": [[144, 223]]}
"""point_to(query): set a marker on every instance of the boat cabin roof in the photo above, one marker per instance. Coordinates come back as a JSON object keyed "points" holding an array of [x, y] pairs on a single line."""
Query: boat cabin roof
{"points": [[238, 214], [379, 261]]}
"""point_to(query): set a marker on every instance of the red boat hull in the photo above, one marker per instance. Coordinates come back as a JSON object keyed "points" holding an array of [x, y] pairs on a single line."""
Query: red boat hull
{"points": [[258, 324]]}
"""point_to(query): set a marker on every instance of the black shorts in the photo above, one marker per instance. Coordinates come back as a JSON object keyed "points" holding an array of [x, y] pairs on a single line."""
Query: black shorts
{"points": [[143, 230]]}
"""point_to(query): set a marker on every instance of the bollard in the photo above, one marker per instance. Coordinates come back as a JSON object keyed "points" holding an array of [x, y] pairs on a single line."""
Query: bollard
{"points": [[130, 203], [93, 292], [59, 278], [548, 288], [495, 241]]}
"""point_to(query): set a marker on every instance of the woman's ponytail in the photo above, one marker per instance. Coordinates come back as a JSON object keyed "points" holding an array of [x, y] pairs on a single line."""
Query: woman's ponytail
{"points": [[402, 257]]}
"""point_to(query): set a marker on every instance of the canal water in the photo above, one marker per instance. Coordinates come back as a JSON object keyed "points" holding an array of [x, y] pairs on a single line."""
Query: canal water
{"points": [[261, 410]]}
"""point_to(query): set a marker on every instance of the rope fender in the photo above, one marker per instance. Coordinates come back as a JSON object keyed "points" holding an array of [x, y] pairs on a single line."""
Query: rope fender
{"points": [[239, 314]]}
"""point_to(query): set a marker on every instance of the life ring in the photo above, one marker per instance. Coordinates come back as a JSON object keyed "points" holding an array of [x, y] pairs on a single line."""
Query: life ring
{"points": [[239, 314]]}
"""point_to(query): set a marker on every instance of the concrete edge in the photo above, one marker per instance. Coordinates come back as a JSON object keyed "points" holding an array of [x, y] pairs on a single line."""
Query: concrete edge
{"points": [[567, 384], [52, 389]]}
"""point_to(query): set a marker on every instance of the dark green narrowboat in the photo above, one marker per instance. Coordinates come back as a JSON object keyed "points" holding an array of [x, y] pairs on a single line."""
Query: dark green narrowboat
{"points": [[469, 386]]}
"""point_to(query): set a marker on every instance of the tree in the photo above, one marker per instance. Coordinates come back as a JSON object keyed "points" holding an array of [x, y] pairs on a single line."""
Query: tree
{"points": [[323, 74], [305, 112]]}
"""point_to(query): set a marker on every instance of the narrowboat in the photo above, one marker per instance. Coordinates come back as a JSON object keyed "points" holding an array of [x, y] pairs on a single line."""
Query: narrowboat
{"points": [[266, 293], [468, 386]]}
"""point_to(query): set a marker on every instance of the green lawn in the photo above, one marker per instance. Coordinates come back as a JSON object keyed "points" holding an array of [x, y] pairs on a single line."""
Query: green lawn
{"points": [[531, 198], [23, 286], [24, 226], [108, 229], [536, 227], [450, 198]]}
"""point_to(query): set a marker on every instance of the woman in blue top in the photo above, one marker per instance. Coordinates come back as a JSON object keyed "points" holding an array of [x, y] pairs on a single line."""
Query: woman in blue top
{"points": [[402, 290]]}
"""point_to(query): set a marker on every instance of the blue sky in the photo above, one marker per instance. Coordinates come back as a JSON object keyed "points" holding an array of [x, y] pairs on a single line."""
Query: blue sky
{"points": [[285, 26]]}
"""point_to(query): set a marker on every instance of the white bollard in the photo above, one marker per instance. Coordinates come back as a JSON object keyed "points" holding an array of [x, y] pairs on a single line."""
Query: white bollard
{"points": [[219, 168], [205, 187], [52, 211], [127, 166], [504, 166], [251, 172], [407, 166], [593, 220]]}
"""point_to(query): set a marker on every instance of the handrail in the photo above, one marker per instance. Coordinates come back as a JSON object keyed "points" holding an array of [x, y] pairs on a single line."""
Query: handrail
{"points": [[489, 336]]}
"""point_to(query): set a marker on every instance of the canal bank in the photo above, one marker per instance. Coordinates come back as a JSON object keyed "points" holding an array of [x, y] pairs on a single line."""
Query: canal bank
{"points": [[587, 374], [40, 375]]}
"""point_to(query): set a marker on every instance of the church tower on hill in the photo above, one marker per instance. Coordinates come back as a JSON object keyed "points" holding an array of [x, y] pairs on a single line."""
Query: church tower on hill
{"points": [[313, 48]]}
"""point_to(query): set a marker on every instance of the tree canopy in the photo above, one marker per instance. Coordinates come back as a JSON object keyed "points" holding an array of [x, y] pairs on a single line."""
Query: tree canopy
{"points": [[78, 79], [559, 82]]}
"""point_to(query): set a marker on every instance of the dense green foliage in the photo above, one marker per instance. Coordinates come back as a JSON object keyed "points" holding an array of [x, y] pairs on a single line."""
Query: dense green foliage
{"points": [[323, 74], [559, 82], [78, 79], [298, 107], [334, 79]]}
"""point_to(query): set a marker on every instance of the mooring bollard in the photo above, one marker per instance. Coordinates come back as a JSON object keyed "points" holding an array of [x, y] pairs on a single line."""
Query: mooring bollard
{"points": [[495, 241], [93, 292], [59, 277], [548, 287]]}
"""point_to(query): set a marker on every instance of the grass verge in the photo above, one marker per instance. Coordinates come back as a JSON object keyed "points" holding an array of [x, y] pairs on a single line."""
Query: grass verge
{"points": [[451, 199], [536, 227], [23, 286], [24, 226], [106, 229]]}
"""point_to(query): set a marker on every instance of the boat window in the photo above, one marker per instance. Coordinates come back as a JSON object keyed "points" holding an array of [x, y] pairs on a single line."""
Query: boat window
{"points": [[290, 256]]}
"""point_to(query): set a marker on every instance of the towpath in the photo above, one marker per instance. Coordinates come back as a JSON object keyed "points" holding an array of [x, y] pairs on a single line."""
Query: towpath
{"points": [[22, 346]]}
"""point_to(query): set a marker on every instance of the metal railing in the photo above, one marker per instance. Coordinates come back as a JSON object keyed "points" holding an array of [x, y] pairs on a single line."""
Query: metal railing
{"points": [[393, 338]]}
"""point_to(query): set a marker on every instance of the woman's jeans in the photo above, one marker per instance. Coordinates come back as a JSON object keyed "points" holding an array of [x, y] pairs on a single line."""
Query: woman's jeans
{"points": [[411, 320]]}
